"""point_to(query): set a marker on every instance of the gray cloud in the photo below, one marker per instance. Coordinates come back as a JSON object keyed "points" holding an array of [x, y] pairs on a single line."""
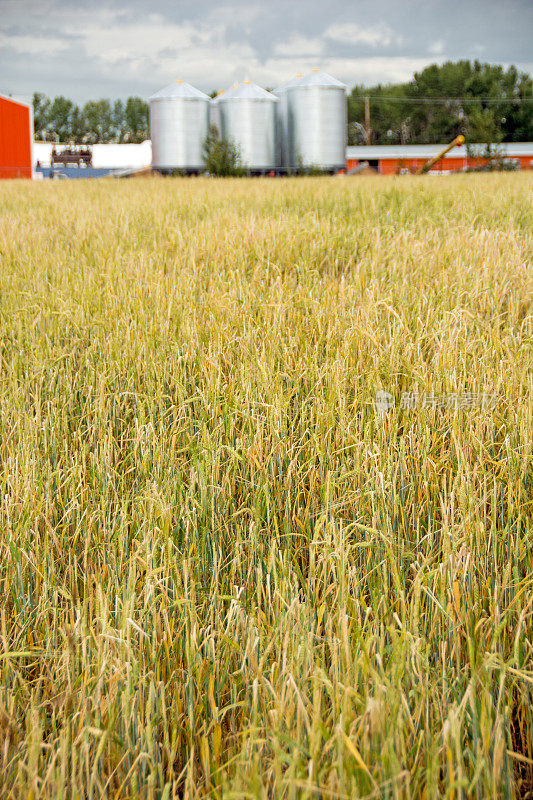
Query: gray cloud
{"points": [[114, 48]]}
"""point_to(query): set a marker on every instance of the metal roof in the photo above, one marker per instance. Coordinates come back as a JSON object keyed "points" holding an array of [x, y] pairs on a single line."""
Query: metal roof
{"points": [[289, 84], [245, 91], [17, 100], [365, 152], [318, 78], [179, 89]]}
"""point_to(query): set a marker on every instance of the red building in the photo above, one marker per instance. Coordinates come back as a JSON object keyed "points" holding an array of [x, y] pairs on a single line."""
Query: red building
{"points": [[16, 138], [399, 159]]}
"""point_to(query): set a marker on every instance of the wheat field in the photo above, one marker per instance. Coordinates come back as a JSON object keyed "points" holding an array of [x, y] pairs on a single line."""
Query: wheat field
{"points": [[224, 572]]}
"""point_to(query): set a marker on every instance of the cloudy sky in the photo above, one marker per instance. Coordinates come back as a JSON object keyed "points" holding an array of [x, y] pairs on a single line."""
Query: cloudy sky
{"points": [[114, 48]]}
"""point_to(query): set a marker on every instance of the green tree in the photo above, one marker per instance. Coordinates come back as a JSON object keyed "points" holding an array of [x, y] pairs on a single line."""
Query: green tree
{"points": [[61, 115], [516, 118], [41, 115], [78, 127], [473, 106], [118, 125], [136, 120], [98, 120], [98, 116], [388, 120], [483, 126], [221, 156], [437, 121]]}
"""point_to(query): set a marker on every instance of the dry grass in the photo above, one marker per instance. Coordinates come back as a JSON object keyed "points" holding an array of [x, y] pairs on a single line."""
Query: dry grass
{"points": [[222, 571]]}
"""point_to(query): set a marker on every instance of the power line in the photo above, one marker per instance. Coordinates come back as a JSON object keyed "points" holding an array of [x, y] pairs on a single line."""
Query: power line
{"points": [[445, 99]]}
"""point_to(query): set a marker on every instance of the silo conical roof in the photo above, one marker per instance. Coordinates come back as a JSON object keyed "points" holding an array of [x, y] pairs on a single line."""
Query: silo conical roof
{"points": [[319, 78], [289, 84], [246, 91], [179, 89]]}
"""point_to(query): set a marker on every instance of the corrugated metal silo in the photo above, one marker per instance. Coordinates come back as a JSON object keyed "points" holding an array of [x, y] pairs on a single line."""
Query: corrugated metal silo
{"points": [[247, 116], [316, 119], [284, 156], [179, 123]]}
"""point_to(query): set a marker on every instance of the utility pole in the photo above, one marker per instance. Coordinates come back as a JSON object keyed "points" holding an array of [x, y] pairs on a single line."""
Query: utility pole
{"points": [[367, 119]]}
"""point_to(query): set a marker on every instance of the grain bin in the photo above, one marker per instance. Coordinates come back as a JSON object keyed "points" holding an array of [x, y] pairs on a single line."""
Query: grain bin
{"points": [[284, 157], [179, 123], [316, 122], [247, 116]]}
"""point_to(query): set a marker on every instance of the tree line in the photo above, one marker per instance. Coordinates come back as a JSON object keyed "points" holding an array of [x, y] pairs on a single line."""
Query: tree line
{"points": [[414, 113], [61, 120], [403, 113]]}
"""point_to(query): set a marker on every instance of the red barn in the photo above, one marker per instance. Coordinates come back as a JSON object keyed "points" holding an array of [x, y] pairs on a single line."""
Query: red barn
{"points": [[16, 138], [396, 159]]}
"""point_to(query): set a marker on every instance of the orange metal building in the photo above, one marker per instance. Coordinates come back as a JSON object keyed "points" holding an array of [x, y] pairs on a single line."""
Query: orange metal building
{"points": [[16, 138], [398, 159]]}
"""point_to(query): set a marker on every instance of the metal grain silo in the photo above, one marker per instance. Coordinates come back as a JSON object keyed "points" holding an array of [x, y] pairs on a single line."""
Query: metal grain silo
{"points": [[247, 116], [284, 156], [179, 123], [316, 121]]}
